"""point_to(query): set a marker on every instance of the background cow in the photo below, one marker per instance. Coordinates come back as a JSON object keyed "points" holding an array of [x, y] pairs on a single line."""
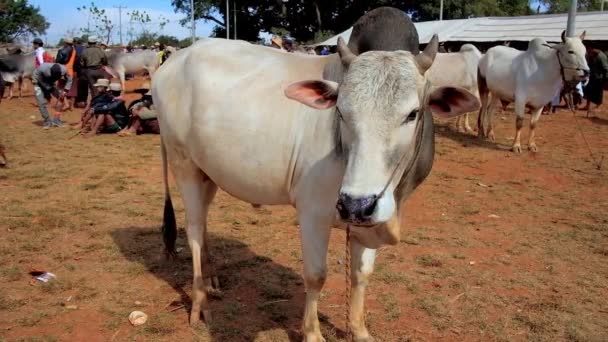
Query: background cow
{"points": [[457, 69], [528, 78]]}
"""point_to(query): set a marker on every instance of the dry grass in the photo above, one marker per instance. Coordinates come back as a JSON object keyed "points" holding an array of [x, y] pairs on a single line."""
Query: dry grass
{"points": [[89, 211]]}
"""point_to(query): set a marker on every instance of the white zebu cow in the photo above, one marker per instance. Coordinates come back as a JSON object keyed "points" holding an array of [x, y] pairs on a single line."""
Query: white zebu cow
{"points": [[267, 128], [123, 63], [21, 67], [457, 69], [529, 78]]}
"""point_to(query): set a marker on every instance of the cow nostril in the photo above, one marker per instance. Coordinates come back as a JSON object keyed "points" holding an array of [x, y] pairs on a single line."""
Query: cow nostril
{"points": [[369, 209], [342, 209]]}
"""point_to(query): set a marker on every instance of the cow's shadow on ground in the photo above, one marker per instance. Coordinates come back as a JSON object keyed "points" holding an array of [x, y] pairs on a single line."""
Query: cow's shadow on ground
{"points": [[257, 294], [449, 131], [597, 120]]}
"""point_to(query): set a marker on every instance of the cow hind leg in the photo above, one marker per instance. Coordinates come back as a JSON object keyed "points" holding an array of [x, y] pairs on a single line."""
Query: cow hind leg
{"points": [[490, 117], [520, 108], [533, 121], [484, 94], [314, 230], [362, 266], [197, 192]]}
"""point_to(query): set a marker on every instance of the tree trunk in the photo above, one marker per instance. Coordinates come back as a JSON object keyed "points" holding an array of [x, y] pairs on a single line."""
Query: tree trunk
{"points": [[319, 22]]}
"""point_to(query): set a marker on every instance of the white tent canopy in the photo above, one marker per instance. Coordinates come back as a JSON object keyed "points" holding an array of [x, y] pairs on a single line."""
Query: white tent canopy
{"points": [[491, 29]]}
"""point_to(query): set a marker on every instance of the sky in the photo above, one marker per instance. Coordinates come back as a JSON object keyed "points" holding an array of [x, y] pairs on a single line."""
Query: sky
{"points": [[63, 17]]}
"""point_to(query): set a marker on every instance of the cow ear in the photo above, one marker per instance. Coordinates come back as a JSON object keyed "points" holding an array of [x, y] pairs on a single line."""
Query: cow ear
{"points": [[448, 102], [315, 94]]}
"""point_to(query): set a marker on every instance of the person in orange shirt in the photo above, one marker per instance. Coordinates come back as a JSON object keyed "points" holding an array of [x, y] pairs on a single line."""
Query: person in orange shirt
{"points": [[67, 57]]}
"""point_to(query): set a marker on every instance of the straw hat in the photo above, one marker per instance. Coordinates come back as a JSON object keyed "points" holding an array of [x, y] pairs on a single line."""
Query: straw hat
{"points": [[92, 39], [115, 87], [102, 82]]}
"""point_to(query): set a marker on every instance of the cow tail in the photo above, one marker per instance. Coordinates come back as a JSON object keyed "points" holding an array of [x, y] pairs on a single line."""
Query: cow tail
{"points": [[482, 86], [169, 227]]}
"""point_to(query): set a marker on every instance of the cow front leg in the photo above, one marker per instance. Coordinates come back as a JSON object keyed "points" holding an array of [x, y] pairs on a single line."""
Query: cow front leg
{"points": [[362, 266], [532, 139], [314, 232], [197, 192]]}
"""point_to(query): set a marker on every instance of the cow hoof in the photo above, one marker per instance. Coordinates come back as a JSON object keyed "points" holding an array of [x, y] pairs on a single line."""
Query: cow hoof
{"points": [[195, 318], [313, 337], [533, 148], [516, 149], [256, 206], [207, 316]]}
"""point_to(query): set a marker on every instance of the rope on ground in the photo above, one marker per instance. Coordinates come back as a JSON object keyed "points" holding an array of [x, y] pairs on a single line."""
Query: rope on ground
{"points": [[348, 284], [598, 164]]}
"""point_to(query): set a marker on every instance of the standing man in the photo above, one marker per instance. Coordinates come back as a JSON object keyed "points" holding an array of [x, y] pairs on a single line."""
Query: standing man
{"points": [[67, 57], [91, 62], [81, 85], [44, 78], [598, 75]]}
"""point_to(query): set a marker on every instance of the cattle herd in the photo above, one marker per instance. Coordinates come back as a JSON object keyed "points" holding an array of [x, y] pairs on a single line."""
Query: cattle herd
{"points": [[344, 138]]}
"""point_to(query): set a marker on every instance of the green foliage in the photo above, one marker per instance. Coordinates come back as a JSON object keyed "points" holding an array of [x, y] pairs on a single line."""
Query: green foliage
{"points": [[19, 20], [102, 24], [313, 20], [562, 6], [149, 29]]}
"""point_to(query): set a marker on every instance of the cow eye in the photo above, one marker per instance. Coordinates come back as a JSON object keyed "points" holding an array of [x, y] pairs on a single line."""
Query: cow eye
{"points": [[411, 116], [571, 52]]}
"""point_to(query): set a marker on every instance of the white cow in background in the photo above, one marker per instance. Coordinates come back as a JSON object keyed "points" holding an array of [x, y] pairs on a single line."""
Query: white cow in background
{"points": [[529, 78], [457, 69]]}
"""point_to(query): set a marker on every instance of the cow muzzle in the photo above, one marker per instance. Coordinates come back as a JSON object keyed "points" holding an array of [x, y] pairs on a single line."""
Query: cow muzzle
{"points": [[357, 210]]}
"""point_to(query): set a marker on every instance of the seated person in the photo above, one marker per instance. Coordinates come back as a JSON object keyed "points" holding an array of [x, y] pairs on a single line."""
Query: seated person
{"points": [[103, 97], [143, 116], [109, 117]]}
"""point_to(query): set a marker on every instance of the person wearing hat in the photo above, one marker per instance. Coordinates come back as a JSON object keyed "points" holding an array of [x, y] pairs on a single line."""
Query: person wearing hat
{"points": [[143, 114], [67, 57], [92, 61], [103, 97], [82, 86], [110, 117], [44, 78]]}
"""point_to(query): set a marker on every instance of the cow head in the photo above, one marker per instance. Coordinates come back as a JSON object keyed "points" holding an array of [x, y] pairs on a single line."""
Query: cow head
{"points": [[380, 103], [572, 56]]}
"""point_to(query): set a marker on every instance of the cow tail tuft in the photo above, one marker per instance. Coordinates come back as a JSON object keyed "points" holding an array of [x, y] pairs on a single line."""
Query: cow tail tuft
{"points": [[169, 228]]}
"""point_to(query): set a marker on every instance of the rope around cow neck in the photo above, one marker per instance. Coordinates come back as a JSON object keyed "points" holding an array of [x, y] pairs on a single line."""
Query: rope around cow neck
{"points": [[348, 286]]}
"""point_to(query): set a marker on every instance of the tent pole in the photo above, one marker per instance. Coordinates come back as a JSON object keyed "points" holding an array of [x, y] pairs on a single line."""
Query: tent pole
{"points": [[570, 28]]}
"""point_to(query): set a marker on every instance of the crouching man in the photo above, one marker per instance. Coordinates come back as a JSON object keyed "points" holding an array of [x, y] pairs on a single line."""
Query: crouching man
{"points": [[109, 117], [44, 79]]}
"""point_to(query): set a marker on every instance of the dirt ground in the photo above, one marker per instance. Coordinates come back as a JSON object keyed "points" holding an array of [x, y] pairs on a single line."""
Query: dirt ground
{"points": [[496, 247]]}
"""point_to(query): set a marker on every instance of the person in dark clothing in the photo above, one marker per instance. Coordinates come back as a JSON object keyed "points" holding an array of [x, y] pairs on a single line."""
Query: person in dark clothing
{"points": [[110, 117], [82, 86], [92, 61], [67, 56], [598, 75], [143, 114], [103, 97]]}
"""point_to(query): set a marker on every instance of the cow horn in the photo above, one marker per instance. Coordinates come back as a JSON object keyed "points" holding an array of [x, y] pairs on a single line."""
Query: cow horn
{"points": [[426, 58], [345, 54]]}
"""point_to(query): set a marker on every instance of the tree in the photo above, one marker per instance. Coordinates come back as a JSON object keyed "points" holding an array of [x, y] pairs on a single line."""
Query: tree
{"points": [[18, 20], [307, 19], [102, 23], [562, 6], [148, 29]]}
